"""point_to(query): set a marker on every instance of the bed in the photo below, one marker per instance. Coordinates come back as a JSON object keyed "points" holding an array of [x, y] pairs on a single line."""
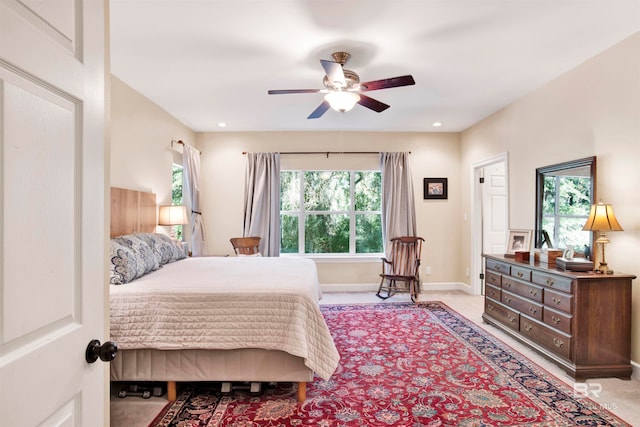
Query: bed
{"points": [[253, 319]]}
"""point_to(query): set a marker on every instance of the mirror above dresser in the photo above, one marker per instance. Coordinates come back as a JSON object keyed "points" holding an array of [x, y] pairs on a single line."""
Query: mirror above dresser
{"points": [[564, 195]]}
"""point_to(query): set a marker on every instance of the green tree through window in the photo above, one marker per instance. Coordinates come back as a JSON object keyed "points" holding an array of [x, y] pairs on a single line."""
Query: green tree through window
{"points": [[565, 209], [176, 194], [331, 212]]}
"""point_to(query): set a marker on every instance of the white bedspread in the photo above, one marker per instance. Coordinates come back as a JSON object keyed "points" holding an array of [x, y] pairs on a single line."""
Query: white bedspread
{"points": [[226, 303]]}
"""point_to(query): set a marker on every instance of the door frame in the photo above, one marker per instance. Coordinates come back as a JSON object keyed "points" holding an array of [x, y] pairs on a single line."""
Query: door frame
{"points": [[477, 231]]}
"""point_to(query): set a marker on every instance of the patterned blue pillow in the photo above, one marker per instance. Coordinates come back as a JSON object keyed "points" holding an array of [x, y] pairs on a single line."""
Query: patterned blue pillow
{"points": [[161, 246], [125, 265], [177, 251], [142, 251]]}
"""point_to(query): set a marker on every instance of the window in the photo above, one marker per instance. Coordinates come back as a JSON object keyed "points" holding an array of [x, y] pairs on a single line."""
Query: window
{"points": [[176, 194], [565, 209], [331, 212]]}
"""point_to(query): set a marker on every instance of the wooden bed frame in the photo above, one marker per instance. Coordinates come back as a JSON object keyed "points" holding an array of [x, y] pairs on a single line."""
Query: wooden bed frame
{"points": [[135, 211]]}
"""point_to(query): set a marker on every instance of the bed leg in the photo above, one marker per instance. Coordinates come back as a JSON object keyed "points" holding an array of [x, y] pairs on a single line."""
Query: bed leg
{"points": [[302, 391], [172, 393]]}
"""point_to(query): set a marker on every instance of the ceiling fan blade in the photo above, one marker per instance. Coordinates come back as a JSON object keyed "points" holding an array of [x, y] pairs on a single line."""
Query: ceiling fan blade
{"points": [[387, 83], [318, 112], [285, 91], [372, 104], [334, 72]]}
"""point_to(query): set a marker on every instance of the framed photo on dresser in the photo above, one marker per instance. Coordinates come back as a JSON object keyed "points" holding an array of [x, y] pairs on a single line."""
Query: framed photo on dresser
{"points": [[518, 241]]}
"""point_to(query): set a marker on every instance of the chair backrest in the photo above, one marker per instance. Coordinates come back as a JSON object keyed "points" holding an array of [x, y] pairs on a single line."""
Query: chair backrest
{"points": [[246, 245], [405, 255]]}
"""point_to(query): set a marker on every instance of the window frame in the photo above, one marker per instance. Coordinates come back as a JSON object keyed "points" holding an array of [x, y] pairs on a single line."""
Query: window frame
{"points": [[352, 213]]}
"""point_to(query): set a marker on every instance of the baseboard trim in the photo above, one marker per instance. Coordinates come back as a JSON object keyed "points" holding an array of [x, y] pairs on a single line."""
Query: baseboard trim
{"points": [[369, 287], [635, 375]]}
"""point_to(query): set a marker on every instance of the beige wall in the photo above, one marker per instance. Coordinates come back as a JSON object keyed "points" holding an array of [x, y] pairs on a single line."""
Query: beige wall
{"points": [[591, 110], [141, 135], [433, 155]]}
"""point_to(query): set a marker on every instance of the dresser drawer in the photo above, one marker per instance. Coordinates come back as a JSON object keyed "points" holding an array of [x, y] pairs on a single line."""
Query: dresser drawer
{"points": [[522, 305], [501, 313], [500, 267], [555, 282], [557, 319], [525, 289], [492, 291], [521, 273], [493, 279], [558, 300], [552, 339]]}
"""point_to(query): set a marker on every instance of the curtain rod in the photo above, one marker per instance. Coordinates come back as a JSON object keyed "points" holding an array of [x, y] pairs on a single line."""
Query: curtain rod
{"points": [[182, 143], [327, 152]]}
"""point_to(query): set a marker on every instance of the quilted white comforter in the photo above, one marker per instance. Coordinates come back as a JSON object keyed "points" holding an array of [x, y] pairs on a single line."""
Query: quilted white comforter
{"points": [[226, 303]]}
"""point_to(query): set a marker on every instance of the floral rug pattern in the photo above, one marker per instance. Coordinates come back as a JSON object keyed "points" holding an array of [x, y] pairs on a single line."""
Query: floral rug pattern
{"points": [[407, 365]]}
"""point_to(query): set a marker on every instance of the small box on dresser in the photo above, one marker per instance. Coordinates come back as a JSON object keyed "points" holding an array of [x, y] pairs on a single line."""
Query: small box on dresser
{"points": [[547, 256], [575, 264], [580, 320]]}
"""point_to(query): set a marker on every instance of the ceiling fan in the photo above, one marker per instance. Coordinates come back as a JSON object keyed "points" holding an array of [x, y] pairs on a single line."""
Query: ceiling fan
{"points": [[344, 90]]}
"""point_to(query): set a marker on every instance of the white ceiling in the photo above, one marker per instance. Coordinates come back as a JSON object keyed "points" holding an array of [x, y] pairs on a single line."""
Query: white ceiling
{"points": [[211, 61]]}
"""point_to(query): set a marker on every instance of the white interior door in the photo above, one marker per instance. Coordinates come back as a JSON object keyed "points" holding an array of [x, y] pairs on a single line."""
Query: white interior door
{"points": [[494, 209], [489, 212], [52, 189]]}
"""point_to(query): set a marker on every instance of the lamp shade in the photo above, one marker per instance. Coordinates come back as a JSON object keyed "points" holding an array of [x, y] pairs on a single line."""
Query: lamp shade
{"points": [[172, 215], [342, 101], [601, 218]]}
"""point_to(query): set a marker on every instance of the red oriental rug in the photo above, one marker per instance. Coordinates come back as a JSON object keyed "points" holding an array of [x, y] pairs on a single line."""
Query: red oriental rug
{"points": [[402, 365]]}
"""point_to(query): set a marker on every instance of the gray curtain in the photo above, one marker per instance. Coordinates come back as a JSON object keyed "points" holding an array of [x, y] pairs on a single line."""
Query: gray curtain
{"points": [[191, 180], [262, 201], [398, 204]]}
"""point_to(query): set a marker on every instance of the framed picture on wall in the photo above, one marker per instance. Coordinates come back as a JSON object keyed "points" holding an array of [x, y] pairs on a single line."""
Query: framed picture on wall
{"points": [[435, 188], [518, 240]]}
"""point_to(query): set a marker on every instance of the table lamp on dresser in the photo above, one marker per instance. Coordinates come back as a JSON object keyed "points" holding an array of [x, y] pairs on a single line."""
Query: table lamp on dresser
{"points": [[602, 219]]}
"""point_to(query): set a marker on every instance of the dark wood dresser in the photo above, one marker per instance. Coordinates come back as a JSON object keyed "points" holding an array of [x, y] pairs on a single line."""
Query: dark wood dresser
{"points": [[580, 320]]}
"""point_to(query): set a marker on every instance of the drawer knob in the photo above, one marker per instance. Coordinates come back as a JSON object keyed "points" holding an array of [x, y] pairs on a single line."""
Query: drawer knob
{"points": [[528, 327], [550, 282], [533, 292], [520, 274], [555, 319], [489, 307], [511, 318], [556, 300], [507, 284], [533, 310], [507, 299], [558, 343]]}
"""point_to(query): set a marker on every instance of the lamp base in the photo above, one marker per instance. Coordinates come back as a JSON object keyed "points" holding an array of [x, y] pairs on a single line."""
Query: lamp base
{"points": [[603, 268]]}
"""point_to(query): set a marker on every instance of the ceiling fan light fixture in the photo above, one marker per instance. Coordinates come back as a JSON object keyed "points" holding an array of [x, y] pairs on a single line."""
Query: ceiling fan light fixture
{"points": [[342, 101]]}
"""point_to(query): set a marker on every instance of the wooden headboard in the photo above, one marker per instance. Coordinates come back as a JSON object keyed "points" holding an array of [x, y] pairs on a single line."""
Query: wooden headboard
{"points": [[132, 212]]}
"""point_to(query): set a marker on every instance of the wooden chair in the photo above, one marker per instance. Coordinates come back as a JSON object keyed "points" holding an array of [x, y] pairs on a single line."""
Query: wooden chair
{"points": [[403, 266], [246, 245]]}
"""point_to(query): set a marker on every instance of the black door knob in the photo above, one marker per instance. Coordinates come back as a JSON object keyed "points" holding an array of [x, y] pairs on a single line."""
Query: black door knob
{"points": [[105, 352]]}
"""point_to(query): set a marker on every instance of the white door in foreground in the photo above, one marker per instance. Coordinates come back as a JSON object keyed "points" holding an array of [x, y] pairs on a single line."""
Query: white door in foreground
{"points": [[52, 280]]}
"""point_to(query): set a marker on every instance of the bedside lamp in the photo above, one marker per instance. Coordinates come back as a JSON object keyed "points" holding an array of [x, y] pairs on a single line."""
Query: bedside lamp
{"points": [[602, 219], [172, 215]]}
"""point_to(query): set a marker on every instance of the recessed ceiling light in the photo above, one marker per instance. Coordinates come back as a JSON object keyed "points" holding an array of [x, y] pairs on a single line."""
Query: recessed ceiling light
{"points": [[222, 125], [436, 124]]}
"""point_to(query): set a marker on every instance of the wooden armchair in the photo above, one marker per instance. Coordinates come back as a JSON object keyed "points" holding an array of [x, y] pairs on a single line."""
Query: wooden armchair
{"points": [[403, 266], [246, 245]]}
